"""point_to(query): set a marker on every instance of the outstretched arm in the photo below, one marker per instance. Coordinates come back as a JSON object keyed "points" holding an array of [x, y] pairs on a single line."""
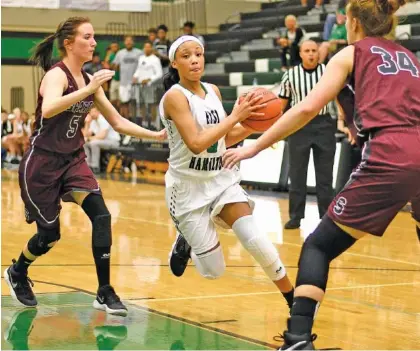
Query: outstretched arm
{"points": [[119, 123], [298, 116], [237, 134]]}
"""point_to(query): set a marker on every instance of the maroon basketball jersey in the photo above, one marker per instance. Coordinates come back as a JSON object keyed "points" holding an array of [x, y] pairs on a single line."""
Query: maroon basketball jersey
{"points": [[63, 132], [386, 85]]}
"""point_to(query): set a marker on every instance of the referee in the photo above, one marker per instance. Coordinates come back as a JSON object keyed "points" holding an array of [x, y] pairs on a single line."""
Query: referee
{"points": [[318, 136]]}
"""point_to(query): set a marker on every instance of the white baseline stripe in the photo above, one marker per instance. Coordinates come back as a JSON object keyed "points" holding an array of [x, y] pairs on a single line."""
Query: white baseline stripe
{"points": [[273, 292]]}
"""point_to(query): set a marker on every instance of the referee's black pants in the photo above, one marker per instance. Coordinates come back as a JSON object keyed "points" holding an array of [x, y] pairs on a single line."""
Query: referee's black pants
{"points": [[350, 157], [318, 135]]}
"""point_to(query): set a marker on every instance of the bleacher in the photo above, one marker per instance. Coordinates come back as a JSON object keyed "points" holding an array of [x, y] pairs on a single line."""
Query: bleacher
{"points": [[243, 54], [240, 55]]}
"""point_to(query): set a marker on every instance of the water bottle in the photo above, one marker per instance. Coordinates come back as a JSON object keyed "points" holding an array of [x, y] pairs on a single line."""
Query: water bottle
{"points": [[255, 81]]}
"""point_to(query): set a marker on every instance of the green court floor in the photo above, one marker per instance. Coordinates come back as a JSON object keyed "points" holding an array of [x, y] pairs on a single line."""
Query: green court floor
{"points": [[67, 321]]}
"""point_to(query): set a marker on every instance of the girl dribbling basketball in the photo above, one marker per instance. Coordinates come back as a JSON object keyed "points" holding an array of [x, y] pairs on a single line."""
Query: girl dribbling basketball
{"points": [[199, 191]]}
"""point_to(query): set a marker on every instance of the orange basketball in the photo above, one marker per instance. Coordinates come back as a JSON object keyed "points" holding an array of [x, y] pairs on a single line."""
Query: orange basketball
{"points": [[272, 111]]}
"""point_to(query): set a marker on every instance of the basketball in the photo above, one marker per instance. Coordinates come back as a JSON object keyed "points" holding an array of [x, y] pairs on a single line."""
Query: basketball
{"points": [[272, 111]]}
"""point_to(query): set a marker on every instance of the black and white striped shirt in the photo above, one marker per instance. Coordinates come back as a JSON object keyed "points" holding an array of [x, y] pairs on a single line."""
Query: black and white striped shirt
{"points": [[297, 82]]}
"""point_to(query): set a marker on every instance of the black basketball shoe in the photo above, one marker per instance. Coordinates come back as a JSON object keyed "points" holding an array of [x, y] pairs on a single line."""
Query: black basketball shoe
{"points": [[299, 342], [20, 286], [179, 256], [107, 300], [296, 342]]}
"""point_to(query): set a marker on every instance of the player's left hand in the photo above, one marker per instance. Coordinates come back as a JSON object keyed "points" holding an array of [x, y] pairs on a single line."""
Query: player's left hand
{"points": [[162, 135], [232, 156]]}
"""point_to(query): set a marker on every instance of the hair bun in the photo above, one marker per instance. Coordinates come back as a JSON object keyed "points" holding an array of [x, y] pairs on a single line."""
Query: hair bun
{"points": [[391, 6]]}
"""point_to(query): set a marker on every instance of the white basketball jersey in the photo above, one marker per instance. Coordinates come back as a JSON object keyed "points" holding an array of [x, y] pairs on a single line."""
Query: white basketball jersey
{"points": [[207, 113]]}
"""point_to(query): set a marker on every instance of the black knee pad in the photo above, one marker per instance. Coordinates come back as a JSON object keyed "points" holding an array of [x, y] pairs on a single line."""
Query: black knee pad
{"points": [[101, 231], [44, 240], [94, 206], [330, 238], [326, 243]]}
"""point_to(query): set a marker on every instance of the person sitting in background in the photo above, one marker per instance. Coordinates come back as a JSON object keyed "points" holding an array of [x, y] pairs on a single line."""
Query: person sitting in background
{"points": [[5, 123], [331, 20], [19, 132], [95, 65], [6, 128], [149, 71], [289, 42], [114, 85], [152, 35], [27, 124], [316, 10], [12, 136], [98, 135], [338, 36], [161, 46], [189, 29]]}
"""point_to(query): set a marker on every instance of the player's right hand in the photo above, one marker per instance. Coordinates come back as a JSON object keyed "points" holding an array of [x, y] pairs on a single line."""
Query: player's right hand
{"points": [[100, 78], [248, 107]]}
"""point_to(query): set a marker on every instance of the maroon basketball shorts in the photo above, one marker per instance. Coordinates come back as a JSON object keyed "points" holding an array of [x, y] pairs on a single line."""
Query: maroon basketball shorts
{"points": [[47, 177], [387, 178]]}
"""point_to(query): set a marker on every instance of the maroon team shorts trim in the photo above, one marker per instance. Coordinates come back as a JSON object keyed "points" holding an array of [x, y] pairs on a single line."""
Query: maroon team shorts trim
{"points": [[27, 211], [387, 178], [46, 178]]}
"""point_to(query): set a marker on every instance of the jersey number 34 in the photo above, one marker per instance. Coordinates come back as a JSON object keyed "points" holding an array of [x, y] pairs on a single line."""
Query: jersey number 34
{"points": [[393, 66]]}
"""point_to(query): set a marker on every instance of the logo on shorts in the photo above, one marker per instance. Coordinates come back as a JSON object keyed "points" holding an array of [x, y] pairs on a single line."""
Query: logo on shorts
{"points": [[340, 205], [26, 214]]}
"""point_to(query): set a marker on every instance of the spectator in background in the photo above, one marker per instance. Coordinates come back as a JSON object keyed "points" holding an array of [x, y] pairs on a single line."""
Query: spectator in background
{"points": [[126, 62], [95, 65], [331, 20], [19, 131], [114, 85], [27, 124], [161, 46], [289, 42], [98, 135], [4, 119], [12, 136], [148, 73], [189, 29], [338, 36], [152, 35], [317, 9], [6, 128]]}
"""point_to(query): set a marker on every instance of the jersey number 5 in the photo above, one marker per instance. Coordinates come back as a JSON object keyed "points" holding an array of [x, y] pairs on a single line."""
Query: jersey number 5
{"points": [[392, 66], [73, 126]]}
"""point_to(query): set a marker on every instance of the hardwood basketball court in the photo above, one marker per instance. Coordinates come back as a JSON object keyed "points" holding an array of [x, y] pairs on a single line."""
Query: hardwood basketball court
{"points": [[371, 302]]}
